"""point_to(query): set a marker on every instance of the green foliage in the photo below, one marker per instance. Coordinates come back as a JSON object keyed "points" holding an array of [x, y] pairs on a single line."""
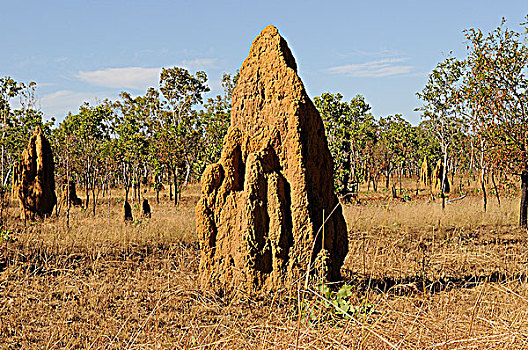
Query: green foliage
{"points": [[331, 305], [442, 98], [7, 236], [215, 119], [405, 196], [496, 91], [497, 98], [341, 302], [177, 131], [80, 142], [350, 130], [398, 142], [443, 107], [130, 127], [181, 89]]}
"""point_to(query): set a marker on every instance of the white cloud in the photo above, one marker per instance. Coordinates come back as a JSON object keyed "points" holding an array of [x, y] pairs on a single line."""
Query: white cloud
{"points": [[59, 103], [137, 78], [373, 69], [200, 63], [379, 53]]}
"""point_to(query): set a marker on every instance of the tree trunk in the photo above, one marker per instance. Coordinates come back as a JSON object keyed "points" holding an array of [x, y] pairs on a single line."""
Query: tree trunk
{"points": [[94, 200], [139, 189], [176, 188], [87, 190], [68, 192], [495, 187], [109, 197], [444, 179], [8, 175], [170, 185], [482, 177], [400, 178], [4, 124], [483, 187], [453, 173], [524, 198], [133, 188], [187, 174], [126, 180]]}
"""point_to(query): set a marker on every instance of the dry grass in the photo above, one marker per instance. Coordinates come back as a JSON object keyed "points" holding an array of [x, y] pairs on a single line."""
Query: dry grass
{"points": [[452, 279]]}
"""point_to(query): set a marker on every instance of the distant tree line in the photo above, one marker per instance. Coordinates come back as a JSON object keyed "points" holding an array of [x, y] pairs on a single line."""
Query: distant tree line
{"points": [[160, 137]]}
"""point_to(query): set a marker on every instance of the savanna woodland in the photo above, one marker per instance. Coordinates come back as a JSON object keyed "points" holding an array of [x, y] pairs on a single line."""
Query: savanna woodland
{"points": [[436, 215]]}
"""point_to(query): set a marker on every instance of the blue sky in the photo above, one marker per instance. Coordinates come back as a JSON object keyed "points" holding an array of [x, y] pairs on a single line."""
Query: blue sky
{"points": [[90, 50]]}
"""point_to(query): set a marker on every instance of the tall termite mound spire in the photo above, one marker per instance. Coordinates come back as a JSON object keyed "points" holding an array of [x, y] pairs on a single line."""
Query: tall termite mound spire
{"points": [[425, 173], [34, 178], [262, 205]]}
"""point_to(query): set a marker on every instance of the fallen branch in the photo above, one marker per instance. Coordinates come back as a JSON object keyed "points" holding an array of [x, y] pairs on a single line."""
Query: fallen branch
{"points": [[457, 199]]}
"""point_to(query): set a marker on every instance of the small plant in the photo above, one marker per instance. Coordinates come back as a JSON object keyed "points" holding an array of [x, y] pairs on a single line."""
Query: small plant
{"points": [[7, 236], [342, 301], [137, 222], [406, 197], [340, 304]]}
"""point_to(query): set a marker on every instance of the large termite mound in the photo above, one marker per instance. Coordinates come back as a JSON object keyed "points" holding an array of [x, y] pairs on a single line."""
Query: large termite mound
{"points": [[34, 178], [260, 215]]}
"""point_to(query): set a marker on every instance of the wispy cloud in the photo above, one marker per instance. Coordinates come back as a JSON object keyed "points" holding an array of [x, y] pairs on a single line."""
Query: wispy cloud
{"points": [[381, 53], [59, 103], [200, 63], [137, 78], [373, 69]]}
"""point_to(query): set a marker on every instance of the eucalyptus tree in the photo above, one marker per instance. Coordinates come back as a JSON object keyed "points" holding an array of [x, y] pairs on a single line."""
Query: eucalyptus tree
{"points": [[398, 144], [214, 122], [347, 126], [84, 135], [130, 127], [156, 153], [496, 88], [177, 129], [442, 101]]}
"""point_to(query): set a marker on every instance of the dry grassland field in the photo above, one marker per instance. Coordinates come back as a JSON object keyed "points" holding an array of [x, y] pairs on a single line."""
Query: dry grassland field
{"points": [[419, 277]]}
